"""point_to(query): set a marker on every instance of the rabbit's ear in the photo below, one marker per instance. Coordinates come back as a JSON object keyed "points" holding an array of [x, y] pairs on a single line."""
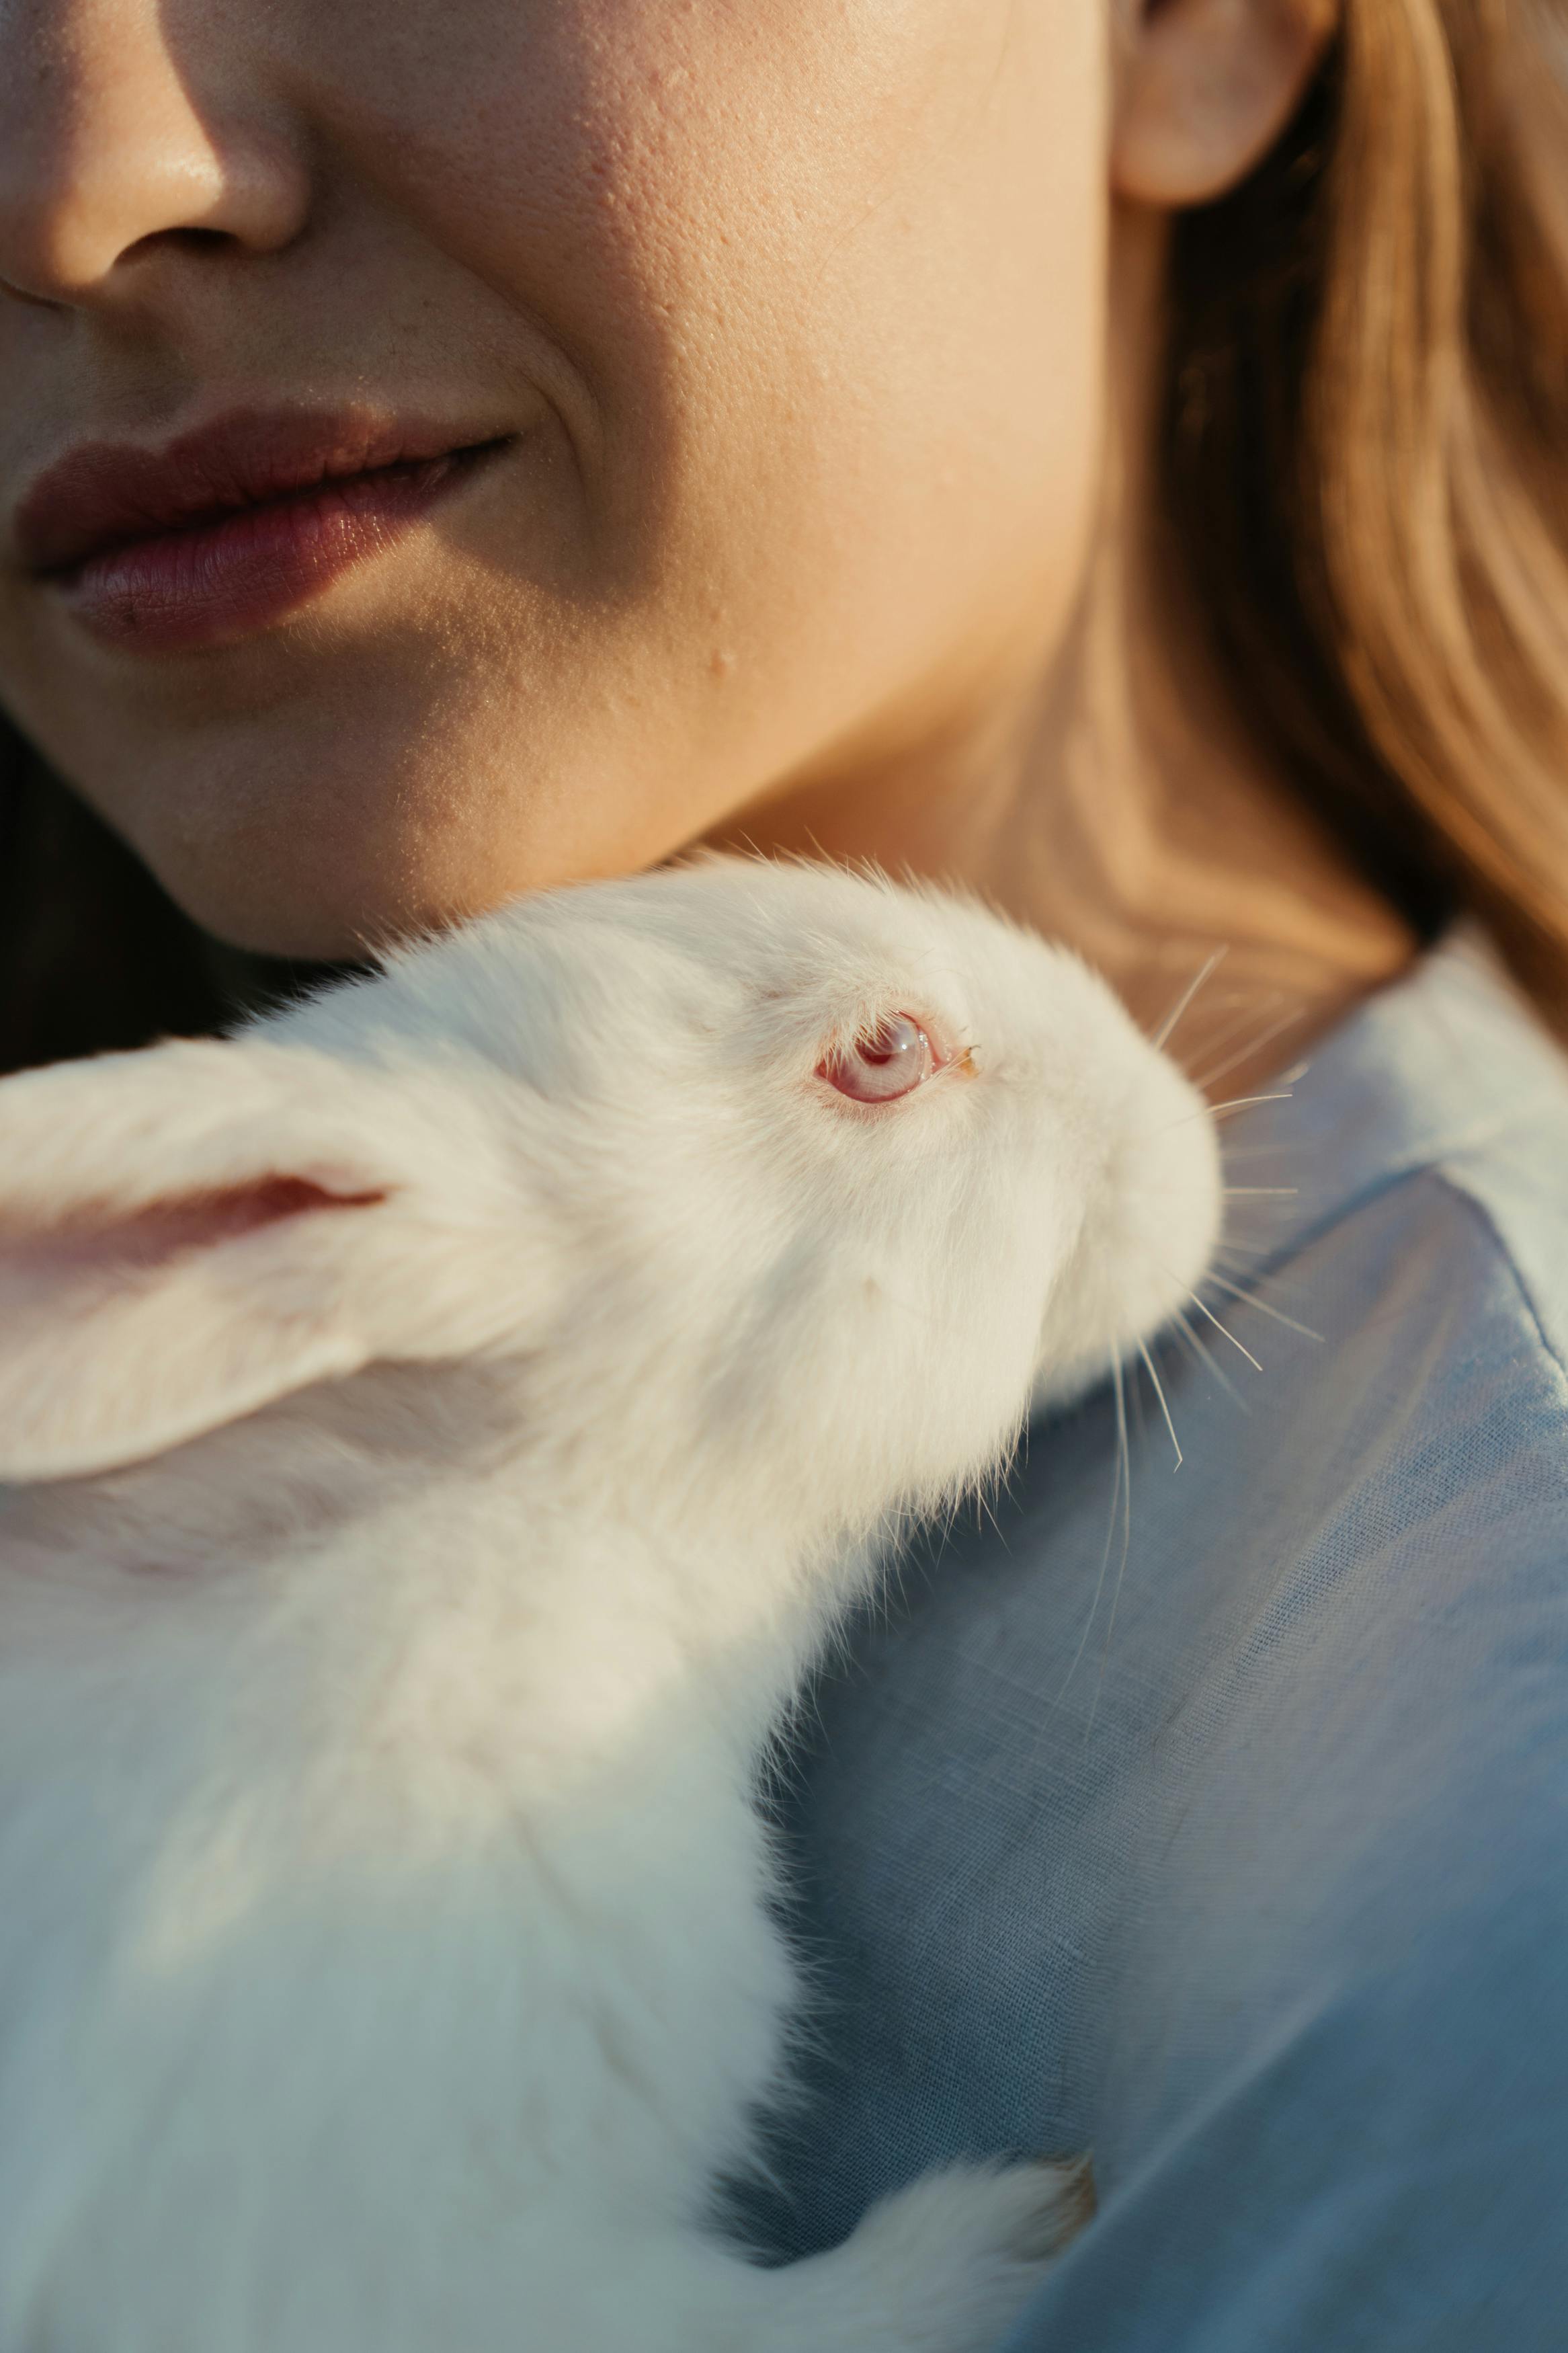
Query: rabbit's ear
{"points": [[188, 1233]]}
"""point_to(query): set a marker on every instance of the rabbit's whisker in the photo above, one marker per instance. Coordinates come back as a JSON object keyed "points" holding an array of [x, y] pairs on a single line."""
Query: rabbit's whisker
{"points": [[1254, 1046], [1251, 1299], [1125, 1458], [1120, 1476], [1237, 1103], [1245, 1102], [1163, 1034], [1165, 1409], [1243, 1016], [1221, 1329], [1203, 1355]]}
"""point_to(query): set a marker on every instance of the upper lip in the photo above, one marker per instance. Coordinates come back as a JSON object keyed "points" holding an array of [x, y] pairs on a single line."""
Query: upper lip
{"points": [[107, 494]]}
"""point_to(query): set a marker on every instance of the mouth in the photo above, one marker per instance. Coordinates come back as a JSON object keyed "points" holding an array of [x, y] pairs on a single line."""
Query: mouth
{"points": [[236, 525]]}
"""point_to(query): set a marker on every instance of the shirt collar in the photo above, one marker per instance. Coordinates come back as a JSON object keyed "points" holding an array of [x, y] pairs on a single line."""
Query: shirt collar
{"points": [[1447, 1060]]}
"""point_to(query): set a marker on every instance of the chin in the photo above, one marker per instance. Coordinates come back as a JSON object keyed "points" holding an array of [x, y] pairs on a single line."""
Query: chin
{"points": [[272, 915], [350, 863], [291, 881]]}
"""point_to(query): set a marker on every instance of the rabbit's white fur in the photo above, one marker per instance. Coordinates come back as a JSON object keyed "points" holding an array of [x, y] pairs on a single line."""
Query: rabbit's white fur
{"points": [[444, 1421]]}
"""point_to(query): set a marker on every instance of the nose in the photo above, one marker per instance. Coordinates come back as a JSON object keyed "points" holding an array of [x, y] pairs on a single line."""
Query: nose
{"points": [[117, 140]]}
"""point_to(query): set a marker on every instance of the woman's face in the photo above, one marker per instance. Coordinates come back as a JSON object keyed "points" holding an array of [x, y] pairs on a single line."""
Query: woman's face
{"points": [[772, 331]]}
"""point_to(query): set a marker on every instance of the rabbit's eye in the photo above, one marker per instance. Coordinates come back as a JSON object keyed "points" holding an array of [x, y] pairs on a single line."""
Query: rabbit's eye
{"points": [[883, 1064]]}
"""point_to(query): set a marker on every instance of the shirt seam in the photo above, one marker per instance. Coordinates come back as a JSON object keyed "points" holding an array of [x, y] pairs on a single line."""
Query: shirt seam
{"points": [[1376, 1188], [1454, 1184]]}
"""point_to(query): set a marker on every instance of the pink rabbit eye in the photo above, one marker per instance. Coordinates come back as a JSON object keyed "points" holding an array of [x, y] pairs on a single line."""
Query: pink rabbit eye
{"points": [[884, 1062]]}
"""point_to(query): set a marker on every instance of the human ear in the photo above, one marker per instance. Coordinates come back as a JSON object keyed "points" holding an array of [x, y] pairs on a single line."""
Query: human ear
{"points": [[1203, 88]]}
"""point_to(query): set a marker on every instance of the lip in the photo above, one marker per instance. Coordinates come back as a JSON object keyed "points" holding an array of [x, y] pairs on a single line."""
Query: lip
{"points": [[234, 525]]}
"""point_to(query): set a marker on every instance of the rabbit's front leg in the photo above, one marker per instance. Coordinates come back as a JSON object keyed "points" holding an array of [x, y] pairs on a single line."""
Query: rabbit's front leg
{"points": [[944, 2267]]}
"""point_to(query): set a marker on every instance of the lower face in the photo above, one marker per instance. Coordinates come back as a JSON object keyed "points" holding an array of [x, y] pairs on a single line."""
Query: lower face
{"points": [[775, 333]]}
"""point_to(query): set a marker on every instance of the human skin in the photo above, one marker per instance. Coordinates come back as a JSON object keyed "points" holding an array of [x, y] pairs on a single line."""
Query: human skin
{"points": [[824, 332]]}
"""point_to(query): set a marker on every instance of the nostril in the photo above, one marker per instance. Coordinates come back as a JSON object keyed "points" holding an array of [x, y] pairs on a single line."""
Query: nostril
{"points": [[182, 240], [71, 253]]}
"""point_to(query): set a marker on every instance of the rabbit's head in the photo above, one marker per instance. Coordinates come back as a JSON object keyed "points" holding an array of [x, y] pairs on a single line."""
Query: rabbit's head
{"points": [[758, 1182]]}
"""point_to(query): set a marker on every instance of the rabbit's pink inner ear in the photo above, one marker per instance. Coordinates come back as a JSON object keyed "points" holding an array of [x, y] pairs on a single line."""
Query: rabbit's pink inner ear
{"points": [[109, 1237], [125, 1331]]}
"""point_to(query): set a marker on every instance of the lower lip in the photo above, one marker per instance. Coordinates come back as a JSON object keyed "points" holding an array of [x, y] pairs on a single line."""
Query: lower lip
{"points": [[212, 584]]}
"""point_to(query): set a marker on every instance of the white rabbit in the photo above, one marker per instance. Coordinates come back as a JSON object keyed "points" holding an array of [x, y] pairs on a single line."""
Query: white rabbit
{"points": [[445, 1420]]}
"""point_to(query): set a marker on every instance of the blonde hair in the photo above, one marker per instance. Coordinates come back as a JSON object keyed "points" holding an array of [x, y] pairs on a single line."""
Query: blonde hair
{"points": [[1367, 459]]}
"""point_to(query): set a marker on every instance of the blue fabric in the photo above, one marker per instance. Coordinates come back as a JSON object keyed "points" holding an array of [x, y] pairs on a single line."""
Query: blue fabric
{"points": [[1265, 1901]]}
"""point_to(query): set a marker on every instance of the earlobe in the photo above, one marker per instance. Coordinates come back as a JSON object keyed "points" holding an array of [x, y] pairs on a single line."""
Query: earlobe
{"points": [[1204, 88]]}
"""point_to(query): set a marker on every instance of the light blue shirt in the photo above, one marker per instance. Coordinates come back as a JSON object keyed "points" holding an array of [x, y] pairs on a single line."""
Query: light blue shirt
{"points": [[1265, 1901]]}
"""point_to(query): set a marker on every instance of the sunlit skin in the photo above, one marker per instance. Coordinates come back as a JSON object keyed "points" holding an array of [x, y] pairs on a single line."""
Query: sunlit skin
{"points": [[820, 337]]}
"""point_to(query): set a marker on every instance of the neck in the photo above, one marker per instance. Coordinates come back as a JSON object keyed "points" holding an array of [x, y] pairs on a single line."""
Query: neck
{"points": [[1107, 792]]}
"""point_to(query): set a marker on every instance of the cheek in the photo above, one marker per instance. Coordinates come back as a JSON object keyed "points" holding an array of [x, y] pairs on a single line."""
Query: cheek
{"points": [[885, 245], [828, 274]]}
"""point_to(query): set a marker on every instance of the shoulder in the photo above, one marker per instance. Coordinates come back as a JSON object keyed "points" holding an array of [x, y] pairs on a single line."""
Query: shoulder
{"points": [[1216, 1819], [1450, 1087], [1335, 2102], [1429, 1234], [1332, 2109], [1370, 1739]]}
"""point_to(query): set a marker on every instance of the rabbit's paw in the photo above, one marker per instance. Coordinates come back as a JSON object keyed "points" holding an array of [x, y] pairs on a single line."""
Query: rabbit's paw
{"points": [[944, 2267]]}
